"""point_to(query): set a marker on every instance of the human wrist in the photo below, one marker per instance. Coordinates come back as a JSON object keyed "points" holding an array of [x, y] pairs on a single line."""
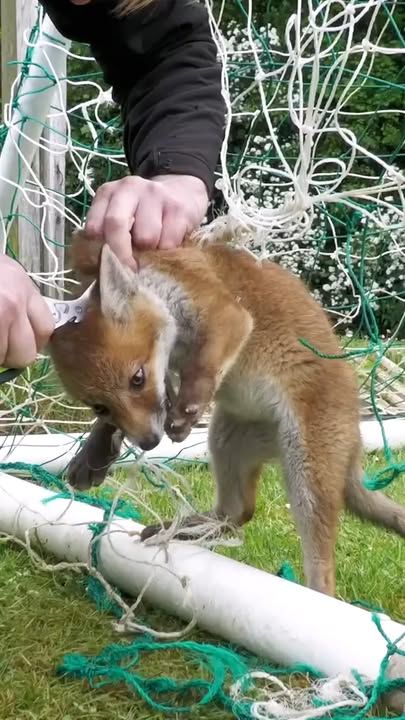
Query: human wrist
{"points": [[187, 185], [194, 183]]}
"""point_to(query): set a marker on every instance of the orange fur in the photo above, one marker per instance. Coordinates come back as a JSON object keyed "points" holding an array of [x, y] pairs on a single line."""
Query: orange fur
{"points": [[239, 324]]}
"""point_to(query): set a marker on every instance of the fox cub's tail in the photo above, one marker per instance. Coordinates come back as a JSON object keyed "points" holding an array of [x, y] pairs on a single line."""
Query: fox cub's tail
{"points": [[373, 506]]}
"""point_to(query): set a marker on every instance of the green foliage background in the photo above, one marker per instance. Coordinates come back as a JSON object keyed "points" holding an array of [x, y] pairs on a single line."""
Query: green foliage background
{"points": [[382, 134]]}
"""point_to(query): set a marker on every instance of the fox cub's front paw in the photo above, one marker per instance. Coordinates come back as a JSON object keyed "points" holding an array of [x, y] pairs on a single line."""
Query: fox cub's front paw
{"points": [[82, 476], [91, 464], [180, 421], [193, 398]]}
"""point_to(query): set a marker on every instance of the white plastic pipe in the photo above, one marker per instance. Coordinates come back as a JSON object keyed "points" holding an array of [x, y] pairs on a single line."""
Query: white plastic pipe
{"points": [[35, 98], [54, 451], [271, 617], [372, 437]]}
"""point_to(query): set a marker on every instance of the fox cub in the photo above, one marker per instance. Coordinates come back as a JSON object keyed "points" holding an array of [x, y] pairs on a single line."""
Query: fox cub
{"points": [[230, 327]]}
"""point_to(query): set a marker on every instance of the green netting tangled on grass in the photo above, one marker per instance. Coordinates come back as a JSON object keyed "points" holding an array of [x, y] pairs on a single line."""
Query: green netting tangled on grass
{"points": [[224, 667], [45, 479], [224, 676]]}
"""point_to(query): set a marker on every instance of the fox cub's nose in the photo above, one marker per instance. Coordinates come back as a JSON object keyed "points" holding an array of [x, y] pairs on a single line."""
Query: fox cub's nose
{"points": [[149, 442]]}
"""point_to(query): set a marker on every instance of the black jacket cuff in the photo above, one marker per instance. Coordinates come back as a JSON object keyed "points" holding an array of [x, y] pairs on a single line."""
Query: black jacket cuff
{"points": [[167, 162]]}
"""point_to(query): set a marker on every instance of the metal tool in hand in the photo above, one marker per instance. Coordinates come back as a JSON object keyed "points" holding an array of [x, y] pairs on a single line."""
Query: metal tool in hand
{"points": [[63, 311]]}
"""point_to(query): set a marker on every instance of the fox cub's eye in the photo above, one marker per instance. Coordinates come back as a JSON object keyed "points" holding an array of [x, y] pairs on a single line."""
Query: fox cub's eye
{"points": [[100, 409], [138, 380]]}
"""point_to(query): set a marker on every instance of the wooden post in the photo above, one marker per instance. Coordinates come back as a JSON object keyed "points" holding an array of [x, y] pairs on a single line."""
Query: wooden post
{"points": [[29, 217], [8, 15], [53, 167], [18, 17]]}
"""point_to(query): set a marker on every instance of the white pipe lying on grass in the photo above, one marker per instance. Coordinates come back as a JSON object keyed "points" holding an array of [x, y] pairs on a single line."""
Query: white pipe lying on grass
{"points": [[271, 617], [371, 434], [54, 451]]}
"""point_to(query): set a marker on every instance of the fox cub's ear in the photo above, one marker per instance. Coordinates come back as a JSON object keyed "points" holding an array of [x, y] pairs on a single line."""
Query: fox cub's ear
{"points": [[84, 253], [118, 285]]}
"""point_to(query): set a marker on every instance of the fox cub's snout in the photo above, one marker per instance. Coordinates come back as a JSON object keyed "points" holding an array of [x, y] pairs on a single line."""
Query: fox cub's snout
{"points": [[116, 359]]}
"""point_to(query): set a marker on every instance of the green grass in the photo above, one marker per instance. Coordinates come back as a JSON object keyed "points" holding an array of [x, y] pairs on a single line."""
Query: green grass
{"points": [[44, 616]]}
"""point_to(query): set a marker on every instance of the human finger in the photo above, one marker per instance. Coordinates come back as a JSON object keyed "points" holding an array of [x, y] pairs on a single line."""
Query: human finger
{"points": [[147, 227], [174, 228], [41, 320], [3, 344], [118, 221], [21, 346], [98, 208]]}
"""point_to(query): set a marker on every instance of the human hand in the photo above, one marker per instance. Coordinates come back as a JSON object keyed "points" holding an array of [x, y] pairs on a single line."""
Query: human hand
{"points": [[146, 214], [26, 323]]}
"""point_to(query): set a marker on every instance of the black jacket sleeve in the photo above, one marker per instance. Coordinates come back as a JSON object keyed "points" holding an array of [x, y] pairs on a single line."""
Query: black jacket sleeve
{"points": [[162, 64]]}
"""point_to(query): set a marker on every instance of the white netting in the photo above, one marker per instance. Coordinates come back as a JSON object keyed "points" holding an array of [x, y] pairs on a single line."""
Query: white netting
{"points": [[281, 702], [311, 175], [301, 168]]}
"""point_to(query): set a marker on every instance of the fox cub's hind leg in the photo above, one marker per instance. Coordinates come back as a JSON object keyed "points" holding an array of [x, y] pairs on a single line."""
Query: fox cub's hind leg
{"points": [[315, 473], [238, 450]]}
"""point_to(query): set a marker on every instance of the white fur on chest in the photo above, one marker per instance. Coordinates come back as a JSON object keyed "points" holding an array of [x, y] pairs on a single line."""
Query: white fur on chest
{"points": [[175, 300], [261, 401], [255, 399]]}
